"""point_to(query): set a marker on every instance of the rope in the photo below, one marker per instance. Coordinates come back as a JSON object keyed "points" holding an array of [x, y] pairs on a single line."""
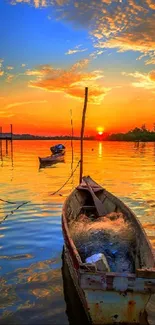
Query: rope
{"points": [[8, 201], [13, 210], [67, 179]]}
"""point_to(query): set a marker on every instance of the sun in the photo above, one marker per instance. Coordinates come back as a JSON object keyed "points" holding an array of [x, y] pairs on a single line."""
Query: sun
{"points": [[100, 130]]}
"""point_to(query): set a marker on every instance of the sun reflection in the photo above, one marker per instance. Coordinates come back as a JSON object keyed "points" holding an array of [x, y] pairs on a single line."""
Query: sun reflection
{"points": [[100, 149]]}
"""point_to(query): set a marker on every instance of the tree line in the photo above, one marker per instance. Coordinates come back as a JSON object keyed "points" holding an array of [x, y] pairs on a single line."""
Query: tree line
{"points": [[137, 134]]}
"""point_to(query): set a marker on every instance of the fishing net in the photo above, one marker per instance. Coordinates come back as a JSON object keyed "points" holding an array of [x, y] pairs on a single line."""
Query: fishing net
{"points": [[110, 235]]}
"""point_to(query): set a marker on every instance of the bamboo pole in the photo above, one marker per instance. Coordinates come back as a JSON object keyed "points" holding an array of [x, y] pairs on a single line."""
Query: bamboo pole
{"points": [[72, 166], [12, 152], [6, 146], [11, 131], [1, 142], [82, 132]]}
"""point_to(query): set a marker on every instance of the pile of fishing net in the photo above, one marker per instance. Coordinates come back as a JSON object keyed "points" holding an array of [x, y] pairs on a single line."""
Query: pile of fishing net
{"points": [[110, 235]]}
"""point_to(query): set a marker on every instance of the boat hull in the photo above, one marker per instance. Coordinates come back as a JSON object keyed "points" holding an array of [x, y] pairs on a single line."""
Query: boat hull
{"points": [[74, 307], [126, 302], [118, 304], [52, 159]]}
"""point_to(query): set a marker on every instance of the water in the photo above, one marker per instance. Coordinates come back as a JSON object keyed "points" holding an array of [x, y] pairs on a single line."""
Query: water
{"points": [[31, 238]]}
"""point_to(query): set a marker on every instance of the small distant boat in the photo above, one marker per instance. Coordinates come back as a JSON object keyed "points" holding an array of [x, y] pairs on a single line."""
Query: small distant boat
{"points": [[53, 159], [114, 276], [58, 153]]}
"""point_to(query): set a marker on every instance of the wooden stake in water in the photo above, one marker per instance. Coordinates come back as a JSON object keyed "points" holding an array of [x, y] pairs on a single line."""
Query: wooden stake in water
{"points": [[11, 131], [1, 143], [82, 132], [72, 167]]}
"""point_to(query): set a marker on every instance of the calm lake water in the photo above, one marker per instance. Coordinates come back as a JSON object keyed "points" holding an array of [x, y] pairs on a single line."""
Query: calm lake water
{"points": [[31, 238]]}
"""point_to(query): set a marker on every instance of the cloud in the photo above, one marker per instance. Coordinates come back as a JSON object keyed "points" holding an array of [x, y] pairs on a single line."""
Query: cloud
{"points": [[69, 52], [35, 3], [40, 71], [122, 25], [152, 75], [23, 65], [96, 95], [80, 64], [25, 103], [9, 77], [95, 54], [145, 80], [5, 114], [71, 82], [76, 50], [9, 67], [126, 25], [31, 72], [1, 62]]}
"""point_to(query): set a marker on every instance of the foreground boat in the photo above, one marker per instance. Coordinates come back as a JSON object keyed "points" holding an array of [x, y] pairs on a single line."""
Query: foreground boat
{"points": [[53, 159], [110, 297], [109, 257]]}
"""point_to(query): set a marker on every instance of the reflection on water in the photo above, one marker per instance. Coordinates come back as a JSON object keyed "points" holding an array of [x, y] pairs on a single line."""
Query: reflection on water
{"points": [[141, 146], [6, 150], [31, 239], [100, 149], [33, 296], [31, 283]]}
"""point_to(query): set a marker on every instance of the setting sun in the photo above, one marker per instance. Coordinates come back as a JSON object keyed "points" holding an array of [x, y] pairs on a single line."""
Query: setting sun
{"points": [[100, 130]]}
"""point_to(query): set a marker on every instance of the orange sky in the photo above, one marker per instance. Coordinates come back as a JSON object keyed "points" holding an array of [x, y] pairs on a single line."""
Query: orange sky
{"points": [[47, 62]]}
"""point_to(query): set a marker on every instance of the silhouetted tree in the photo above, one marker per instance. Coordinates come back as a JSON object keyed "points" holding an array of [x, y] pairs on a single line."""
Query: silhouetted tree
{"points": [[143, 128], [137, 134]]}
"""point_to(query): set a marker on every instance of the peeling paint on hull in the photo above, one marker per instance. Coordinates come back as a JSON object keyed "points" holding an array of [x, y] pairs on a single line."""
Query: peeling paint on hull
{"points": [[114, 308], [104, 307]]}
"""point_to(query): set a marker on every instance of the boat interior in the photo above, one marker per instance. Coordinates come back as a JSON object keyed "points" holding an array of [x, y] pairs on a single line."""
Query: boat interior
{"points": [[116, 234]]}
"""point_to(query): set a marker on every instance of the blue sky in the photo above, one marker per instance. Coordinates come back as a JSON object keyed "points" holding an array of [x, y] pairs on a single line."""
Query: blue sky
{"points": [[28, 35]]}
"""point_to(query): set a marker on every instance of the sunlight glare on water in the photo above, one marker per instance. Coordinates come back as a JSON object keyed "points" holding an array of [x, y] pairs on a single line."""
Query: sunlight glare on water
{"points": [[31, 238]]}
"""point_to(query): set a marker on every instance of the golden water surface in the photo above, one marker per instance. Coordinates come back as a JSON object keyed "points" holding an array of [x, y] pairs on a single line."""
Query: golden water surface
{"points": [[30, 236]]}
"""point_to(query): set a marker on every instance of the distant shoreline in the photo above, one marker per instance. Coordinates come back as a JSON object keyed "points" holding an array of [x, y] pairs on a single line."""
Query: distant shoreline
{"points": [[77, 139], [135, 135], [18, 137]]}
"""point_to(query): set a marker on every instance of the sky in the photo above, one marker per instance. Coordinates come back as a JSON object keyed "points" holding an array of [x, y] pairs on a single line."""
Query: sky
{"points": [[50, 50]]}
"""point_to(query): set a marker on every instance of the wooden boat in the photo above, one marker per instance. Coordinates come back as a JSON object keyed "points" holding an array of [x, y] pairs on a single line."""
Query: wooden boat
{"points": [[53, 159], [108, 296]]}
